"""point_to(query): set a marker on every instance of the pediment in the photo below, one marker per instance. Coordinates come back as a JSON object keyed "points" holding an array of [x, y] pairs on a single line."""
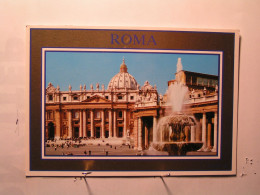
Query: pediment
{"points": [[96, 99]]}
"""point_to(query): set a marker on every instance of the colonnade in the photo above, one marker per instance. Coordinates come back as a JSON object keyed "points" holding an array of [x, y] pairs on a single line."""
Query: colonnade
{"points": [[206, 132], [87, 123], [140, 132], [202, 132]]}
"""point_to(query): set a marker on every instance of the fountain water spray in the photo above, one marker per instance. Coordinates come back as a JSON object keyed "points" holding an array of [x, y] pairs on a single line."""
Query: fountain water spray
{"points": [[176, 95], [171, 136]]}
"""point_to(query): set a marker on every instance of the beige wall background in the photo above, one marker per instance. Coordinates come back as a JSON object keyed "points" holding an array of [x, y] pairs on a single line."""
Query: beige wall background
{"points": [[217, 14]]}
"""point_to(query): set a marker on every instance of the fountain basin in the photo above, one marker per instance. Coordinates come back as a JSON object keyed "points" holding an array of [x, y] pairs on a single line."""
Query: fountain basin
{"points": [[177, 148]]}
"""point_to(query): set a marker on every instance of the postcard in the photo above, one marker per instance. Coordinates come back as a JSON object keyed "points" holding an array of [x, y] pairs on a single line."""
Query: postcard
{"points": [[131, 102]]}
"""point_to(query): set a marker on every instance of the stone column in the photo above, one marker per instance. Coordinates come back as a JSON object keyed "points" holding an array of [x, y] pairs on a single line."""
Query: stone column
{"points": [[91, 123], [186, 133], [80, 124], [115, 124], [110, 123], [204, 131], [47, 132], [215, 132], [146, 137], [155, 129], [192, 134], [70, 124], [198, 130], [139, 133], [102, 124], [209, 136], [84, 124], [57, 121], [125, 124]]}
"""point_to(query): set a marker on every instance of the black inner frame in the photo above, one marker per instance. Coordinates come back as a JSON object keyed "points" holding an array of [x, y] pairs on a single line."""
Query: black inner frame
{"points": [[165, 40]]}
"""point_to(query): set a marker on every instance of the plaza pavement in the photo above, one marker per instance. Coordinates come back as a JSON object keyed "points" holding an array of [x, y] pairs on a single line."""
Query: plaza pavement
{"points": [[92, 150], [102, 148]]}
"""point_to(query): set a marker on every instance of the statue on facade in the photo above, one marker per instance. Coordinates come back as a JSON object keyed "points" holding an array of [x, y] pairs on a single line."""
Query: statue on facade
{"points": [[70, 87], [192, 93], [80, 87], [204, 91], [139, 98], [84, 87], [147, 97], [97, 86], [91, 86], [103, 87], [154, 96], [161, 97]]}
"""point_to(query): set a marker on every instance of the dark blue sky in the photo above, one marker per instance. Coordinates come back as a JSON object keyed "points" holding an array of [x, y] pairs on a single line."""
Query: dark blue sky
{"points": [[75, 68]]}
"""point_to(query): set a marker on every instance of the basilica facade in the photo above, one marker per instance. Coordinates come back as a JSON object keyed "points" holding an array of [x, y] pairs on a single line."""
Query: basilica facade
{"points": [[127, 112]]}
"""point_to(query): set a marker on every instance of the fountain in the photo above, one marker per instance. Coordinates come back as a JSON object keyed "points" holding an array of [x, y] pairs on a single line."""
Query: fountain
{"points": [[172, 130], [172, 137]]}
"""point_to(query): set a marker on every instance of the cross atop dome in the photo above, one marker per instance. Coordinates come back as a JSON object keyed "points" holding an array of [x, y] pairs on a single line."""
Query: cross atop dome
{"points": [[123, 67]]}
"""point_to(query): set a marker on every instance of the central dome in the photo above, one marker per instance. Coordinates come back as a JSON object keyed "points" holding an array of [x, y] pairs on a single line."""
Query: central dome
{"points": [[123, 79]]}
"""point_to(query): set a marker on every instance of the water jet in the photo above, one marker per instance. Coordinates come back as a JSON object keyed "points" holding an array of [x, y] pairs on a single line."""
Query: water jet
{"points": [[173, 129]]}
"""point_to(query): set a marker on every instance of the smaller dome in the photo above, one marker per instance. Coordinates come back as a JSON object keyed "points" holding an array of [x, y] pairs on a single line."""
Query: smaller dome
{"points": [[147, 86]]}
